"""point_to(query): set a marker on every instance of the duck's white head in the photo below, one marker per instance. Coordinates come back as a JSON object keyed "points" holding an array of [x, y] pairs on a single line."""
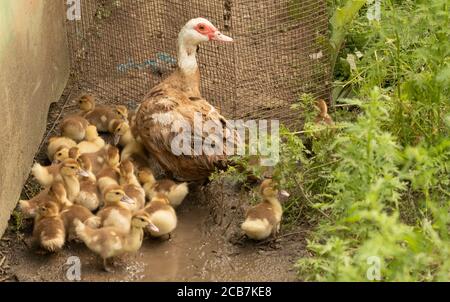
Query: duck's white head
{"points": [[200, 30], [196, 31]]}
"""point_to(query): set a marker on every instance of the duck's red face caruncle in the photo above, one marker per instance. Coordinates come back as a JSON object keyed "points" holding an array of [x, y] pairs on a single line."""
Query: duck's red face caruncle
{"points": [[212, 33]]}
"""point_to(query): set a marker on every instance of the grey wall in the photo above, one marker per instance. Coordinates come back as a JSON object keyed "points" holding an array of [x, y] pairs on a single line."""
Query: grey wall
{"points": [[34, 68]]}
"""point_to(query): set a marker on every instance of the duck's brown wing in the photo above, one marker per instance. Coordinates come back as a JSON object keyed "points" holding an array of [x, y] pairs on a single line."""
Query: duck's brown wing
{"points": [[166, 126]]}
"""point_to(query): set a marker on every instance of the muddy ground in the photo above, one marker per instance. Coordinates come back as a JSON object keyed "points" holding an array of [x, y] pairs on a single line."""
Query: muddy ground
{"points": [[206, 246]]}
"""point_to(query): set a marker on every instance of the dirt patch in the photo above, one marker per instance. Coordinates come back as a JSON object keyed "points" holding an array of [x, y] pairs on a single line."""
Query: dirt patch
{"points": [[199, 250]]}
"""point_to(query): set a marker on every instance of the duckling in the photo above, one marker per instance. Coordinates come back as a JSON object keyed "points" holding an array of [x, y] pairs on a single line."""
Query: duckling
{"points": [[62, 154], [98, 115], [131, 185], [55, 193], [110, 242], [109, 174], [97, 159], [74, 127], [264, 219], [127, 175], [93, 142], [89, 195], [323, 117], [56, 143], [162, 215], [45, 175], [124, 137], [49, 229], [69, 214], [174, 192], [122, 111], [116, 213], [69, 172]]}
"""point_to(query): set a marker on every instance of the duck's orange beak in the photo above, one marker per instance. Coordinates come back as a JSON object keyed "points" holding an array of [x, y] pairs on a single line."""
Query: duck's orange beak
{"points": [[218, 36]]}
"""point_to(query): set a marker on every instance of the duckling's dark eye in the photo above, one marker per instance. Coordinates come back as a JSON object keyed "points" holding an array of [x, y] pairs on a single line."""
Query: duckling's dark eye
{"points": [[117, 193]]}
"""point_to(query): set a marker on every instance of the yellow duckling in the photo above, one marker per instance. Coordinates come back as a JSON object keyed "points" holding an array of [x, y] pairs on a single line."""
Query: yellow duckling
{"points": [[89, 195], [74, 127], [57, 143], [162, 215], [131, 185], [264, 219], [49, 229], [124, 137], [116, 213], [46, 175], [109, 242], [93, 142], [174, 192], [109, 174], [69, 173]]}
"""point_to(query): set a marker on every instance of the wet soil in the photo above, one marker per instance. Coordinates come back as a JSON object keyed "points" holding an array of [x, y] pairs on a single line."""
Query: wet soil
{"points": [[200, 249]]}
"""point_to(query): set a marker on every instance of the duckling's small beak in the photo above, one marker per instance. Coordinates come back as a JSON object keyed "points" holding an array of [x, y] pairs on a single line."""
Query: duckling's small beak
{"points": [[56, 161], [152, 227], [116, 139], [127, 199], [218, 36], [83, 173]]}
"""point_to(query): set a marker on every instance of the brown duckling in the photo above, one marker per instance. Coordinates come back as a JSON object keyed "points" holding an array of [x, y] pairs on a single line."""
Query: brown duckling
{"points": [[264, 219], [174, 192], [55, 193], [162, 215], [100, 115], [323, 117], [74, 127], [110, 242], [49, 231], [116, 213], [97, 159], [69, 214]]}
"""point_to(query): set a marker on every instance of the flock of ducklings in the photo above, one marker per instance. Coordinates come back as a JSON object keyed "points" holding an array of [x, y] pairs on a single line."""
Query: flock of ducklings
{"points": [[106, 196]]}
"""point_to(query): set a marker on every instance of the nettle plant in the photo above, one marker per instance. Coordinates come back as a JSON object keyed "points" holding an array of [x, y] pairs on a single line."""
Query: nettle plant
{"points": [[374, 177]]}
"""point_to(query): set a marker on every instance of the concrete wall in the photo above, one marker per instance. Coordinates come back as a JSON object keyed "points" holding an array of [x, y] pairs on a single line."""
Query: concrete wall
{"points": [[34, 68]]}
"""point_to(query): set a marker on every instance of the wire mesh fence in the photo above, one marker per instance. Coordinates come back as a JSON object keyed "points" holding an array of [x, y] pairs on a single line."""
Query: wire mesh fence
{"points": [[121, 48]]}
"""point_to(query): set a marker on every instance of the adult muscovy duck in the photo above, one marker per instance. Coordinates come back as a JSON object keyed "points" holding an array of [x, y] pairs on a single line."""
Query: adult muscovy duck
{"points": [[178, 99]]}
